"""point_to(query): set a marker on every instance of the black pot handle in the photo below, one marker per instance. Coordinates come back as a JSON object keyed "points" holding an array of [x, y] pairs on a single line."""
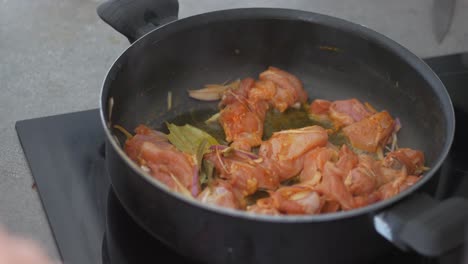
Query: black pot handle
{"points": [[135, 18], [428, 226]]}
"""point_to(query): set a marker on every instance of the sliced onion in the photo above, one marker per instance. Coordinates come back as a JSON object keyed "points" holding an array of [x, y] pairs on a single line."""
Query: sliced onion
{"points": [[221, 161], [370, 108], [195, 179], [127, 134], [169, 100], [213, 118], [247, 154], [145, 168], [394, 142], [218, 147], [182, 188], [379, 153], [296, 105], [238, 152], [397, 124], [209, 93]]}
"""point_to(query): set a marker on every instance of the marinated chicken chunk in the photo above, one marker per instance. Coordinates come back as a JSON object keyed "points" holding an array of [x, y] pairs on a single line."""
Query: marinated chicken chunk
{"points": [[347, 112], [242, 119], [244, 172], [289, 200], [243, 109], [220, 194], [371, 132], [284, 152], [341, 112], [154, 154]]}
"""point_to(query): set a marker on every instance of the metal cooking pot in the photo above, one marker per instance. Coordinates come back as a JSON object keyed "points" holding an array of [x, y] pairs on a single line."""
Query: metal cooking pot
{"points": [[335, 59]]}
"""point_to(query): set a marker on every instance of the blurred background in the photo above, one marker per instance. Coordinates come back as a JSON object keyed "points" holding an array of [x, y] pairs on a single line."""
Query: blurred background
{"points": [[54, 55]]}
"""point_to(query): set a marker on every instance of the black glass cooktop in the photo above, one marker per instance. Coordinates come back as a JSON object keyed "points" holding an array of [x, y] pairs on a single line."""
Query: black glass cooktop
{"points": [[65, 154]]}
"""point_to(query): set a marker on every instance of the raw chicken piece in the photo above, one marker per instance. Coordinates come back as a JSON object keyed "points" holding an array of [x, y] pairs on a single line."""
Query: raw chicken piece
{"points": [[399, 164], [330, 206], [244, 109], [371, 132], [319, 110], [221, 194], [314, 161], [347, 160], [413, 160], [156, 135], [235, 95], [243, 124], [296, 200], [289, 200], [268, 91], [364, 179], [172, 167], [396, 186], [283, 153], [347, 112], [289, 90], [364, 200], [319, 107], [245, 174], [387, 190], [264, 206], [151, 150], [144, 134], [333, 188], [242, 119], [371, 174]]}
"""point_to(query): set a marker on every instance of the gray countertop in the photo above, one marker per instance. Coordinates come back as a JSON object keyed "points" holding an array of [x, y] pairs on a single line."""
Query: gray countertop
{"points": [[54, 55]]}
